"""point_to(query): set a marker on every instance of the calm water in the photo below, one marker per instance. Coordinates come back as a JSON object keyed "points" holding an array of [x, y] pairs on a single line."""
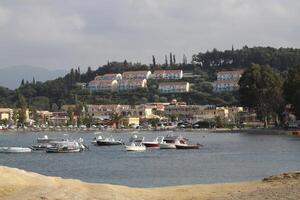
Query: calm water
{"points": [[225, 157]]}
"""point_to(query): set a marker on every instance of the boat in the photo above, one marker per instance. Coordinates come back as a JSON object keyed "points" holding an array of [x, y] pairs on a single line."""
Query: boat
{"points": [[135, 147], [110, 141], [14, 150], [40, 147], [45, 139], [153, 144], [297, 132], [66, 146], [188, 146], [136, 139], [169, 142]]}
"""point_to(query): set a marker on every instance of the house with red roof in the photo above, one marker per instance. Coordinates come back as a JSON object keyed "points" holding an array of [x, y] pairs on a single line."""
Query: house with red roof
{"points": [[227, 81], [167, 74], [137, 74]]}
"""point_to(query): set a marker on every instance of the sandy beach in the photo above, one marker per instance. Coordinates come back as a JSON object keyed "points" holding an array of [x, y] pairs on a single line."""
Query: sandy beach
{"points": [[22, 185]]}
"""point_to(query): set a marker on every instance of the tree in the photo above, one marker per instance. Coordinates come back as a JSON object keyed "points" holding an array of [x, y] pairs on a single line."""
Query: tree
{"points": [[40, 103], [292, 89], [174, 59], [261, 89], [166, 60], [154, 61], [171, 59], [22, 109]]}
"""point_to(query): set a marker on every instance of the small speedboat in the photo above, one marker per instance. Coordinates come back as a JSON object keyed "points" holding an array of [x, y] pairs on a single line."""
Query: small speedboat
{"points": [[297, 132], [63, 149], [188, 146], [40, 147], [66, 146], [14, 150], [110, 141], [135, 147], [169, 142], [153, 144]]}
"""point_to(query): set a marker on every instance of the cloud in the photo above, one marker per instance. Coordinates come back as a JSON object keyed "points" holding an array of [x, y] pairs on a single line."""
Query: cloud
{"points": [[52, 33]]}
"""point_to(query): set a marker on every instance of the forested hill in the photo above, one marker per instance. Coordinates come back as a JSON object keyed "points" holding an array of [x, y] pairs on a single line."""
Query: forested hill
{"points": [[281, 59], [63, 90]]}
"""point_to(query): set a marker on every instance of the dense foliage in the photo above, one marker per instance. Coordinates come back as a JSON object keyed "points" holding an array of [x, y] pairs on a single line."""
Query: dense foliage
{"points": [[65, 90], [261, 89], [281, 59], [292, 89]]}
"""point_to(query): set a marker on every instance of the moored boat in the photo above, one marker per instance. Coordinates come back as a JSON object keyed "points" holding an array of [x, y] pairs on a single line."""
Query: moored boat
{"points": [[14, 150], [188, 146], [169, 142], [110, 141], [135, 147], [40, 147], [66, 146], [297, 132], [153, 144]]}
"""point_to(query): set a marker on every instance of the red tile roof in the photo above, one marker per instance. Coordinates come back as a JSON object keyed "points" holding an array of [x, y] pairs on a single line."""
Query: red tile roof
{"points": [[173, 83], [166, 71], [135, 72]]}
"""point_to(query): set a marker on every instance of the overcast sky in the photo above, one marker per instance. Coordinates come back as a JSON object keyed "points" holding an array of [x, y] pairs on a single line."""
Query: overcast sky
{"points": [[67, 33]]}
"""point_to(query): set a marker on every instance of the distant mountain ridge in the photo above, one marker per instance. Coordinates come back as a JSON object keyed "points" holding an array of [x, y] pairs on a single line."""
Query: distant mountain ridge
{"points": [[11, 77]]}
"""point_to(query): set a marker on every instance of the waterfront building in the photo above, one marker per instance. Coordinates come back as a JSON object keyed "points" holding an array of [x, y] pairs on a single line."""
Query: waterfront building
{"points": [[129, 121], [174, 87], [103, 112], [167, 74], [103, 85], [137, 75], [59, 118], [227, 81], [6, 113], [191, 113], [131, 84]]}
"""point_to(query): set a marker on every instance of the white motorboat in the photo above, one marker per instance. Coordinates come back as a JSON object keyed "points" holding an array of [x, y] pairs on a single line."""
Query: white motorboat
{"points": [[109, 141], [153, 144], [14, 150], [66, 146], [135, 147], [170, 142]]}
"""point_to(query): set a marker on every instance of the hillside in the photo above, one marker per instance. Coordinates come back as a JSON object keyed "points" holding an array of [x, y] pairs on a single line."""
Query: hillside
{"points": [[204, 66]]}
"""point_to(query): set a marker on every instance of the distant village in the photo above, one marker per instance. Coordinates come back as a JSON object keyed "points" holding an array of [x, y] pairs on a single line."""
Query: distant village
{"points": [[170, 81], [155, 115]]}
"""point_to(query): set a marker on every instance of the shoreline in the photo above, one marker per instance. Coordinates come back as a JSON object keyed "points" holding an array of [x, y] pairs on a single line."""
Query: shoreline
{"points": [[20, 184], [271, 131]]}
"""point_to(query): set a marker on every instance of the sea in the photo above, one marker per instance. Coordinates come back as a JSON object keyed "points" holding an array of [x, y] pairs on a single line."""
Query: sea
{"points": [[224, 157]]}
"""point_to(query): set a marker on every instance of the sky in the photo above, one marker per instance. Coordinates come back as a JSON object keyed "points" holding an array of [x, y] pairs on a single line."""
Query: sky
{"points": [[60, 34]]}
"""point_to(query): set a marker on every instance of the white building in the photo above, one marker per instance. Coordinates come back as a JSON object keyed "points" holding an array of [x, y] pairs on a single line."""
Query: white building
{"points": [[137, 75], [103, 85], [227, 81], [131, 84], [167, 74], [174, 87]]}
